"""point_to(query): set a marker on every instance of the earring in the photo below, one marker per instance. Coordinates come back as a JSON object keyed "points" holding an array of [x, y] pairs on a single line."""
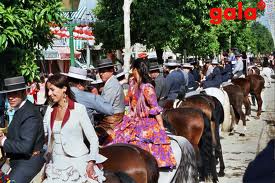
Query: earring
{"points": [[65, 98]]}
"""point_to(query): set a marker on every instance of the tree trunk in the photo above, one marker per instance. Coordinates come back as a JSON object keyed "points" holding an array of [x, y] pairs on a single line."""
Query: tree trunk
{"points": [[159, 53], [127, 36]]}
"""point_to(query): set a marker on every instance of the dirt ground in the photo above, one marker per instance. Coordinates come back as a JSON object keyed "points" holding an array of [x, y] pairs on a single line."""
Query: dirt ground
{"points": [[239, 151]]}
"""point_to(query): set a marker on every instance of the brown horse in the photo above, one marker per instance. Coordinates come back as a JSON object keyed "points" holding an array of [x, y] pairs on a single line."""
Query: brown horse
{"points": [[253, 70], [142, 167], [132, 160], [184, 121], [236, 98], [251, 84]]}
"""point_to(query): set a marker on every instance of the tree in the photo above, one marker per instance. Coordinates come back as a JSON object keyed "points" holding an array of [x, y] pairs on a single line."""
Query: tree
{"points": [[127, 36], [264, 41], [24, 30]]}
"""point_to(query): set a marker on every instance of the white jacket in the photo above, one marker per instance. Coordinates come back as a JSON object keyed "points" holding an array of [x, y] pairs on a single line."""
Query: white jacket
{"points": [[72, 136]]}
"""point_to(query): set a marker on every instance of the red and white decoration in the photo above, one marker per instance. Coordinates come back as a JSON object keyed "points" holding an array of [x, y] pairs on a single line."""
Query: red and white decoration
{"points": [[80, 32]]}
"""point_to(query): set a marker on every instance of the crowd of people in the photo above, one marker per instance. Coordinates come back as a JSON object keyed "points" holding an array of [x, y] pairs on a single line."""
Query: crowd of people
{"points": [[105, 111]]}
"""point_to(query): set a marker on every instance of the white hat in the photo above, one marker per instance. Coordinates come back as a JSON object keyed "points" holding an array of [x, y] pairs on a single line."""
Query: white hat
{"points": [[215, 61], [77, 73]]}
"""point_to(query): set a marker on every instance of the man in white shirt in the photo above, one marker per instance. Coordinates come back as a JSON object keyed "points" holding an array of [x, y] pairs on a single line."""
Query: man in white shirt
{"points": [[238, 70]]}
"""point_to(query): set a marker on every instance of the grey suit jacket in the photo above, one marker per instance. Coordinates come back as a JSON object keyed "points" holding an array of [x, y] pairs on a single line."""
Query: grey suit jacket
{"points": [[113, 94], [92, 103]]}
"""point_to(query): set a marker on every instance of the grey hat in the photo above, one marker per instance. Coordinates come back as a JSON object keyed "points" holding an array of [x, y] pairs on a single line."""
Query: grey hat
{"points": [[14, 84], [187, 65], [104, 63], [120, 73], [77, 73], [154, 66], [172, 63], [215, 62]]}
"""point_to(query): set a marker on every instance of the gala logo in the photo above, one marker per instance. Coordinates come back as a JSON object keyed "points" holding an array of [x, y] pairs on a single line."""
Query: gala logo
{"points": [[216, 14]]}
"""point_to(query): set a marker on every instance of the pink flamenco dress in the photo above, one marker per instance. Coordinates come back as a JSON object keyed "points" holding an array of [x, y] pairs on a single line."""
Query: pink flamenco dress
{"points": [[141, 128]]}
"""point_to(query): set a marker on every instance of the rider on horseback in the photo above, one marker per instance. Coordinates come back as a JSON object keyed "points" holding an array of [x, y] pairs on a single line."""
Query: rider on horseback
{"points": [[238, 70]]}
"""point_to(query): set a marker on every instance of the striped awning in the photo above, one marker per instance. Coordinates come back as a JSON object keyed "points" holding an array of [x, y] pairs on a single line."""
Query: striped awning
{"points": [[76, 15]]}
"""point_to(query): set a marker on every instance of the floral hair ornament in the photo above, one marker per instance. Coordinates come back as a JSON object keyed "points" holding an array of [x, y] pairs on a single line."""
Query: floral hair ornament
{"points": [[143, 55]]}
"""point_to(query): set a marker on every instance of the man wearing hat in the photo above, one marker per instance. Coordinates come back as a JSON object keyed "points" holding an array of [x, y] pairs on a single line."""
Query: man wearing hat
{"points": [[78, 80], [113, 94], [25, 136], [209, 67], [175, 80], [215, 78], [191, 83], [160, 84], [238, 69], [227, 70]]}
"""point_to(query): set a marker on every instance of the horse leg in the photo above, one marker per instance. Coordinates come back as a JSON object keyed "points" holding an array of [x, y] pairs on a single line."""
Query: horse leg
{"points": [[241, 116], [247, 105], [253, 99], [233, 118], [259, 102], [236, 119]]}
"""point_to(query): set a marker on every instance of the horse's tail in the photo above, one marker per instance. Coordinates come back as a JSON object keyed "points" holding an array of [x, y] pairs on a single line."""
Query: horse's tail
{"points": [[187, 171], [206, 154], [218, 112]]}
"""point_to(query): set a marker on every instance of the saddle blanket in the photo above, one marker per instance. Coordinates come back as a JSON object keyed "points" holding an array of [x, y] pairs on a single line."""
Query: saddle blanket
{"points": [[167, 175]]}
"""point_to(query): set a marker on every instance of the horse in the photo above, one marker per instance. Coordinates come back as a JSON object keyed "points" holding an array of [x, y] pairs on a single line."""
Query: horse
{"points": [[236, 98], [253, 70], [142, 167], [189, 123], [211, 109], [251, 84]]}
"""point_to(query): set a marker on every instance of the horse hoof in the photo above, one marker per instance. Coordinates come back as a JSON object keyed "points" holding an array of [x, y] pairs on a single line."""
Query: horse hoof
{"points": [[257, 117], [247, 119], [231, 133], [242, 135], [221, 174]]}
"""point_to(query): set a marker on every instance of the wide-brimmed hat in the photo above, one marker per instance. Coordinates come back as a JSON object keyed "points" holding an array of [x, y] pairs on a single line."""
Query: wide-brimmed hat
{"points": [[215, 62], [187, 65], [120, 73], [77, 73], [153, 66], [172, 63], [237, 54], [14, 84], [104, 63]]}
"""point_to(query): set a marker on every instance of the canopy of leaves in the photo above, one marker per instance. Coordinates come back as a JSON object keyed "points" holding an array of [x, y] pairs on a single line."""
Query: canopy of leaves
{"points": [[264, 41], [177, 24], [24, 27]]}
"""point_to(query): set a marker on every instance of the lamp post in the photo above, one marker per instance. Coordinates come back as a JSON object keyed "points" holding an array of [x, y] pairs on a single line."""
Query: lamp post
{"points": [[71, 6]]}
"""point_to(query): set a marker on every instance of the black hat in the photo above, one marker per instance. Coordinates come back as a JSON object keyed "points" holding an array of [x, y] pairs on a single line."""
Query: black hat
{"points": [[153, 66], [104, 63], [14, 84]]}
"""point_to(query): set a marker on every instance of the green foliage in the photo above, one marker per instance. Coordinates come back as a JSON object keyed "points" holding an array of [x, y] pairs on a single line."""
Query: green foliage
{"points": [[177, 24], [264, 41], [24, 25], [29, 68]]}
